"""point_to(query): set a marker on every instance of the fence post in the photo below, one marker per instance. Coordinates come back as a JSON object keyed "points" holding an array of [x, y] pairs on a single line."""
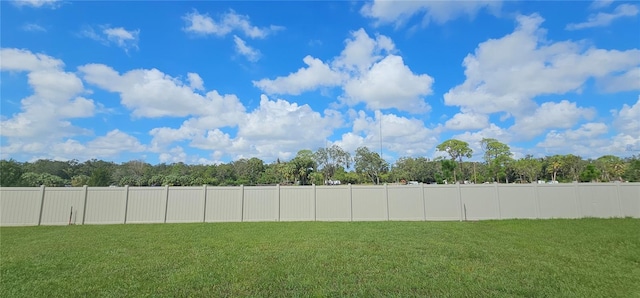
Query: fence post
{"points": [[42, 187], [126, 202], [351, 201], [241, 203], [204, 212], [460, 201], [577, 197], [498, 200], [315, 203], [386, 191], [424, 202], [618, 197], [536, 198], [278, 186], [84, 207], [166, 202]]}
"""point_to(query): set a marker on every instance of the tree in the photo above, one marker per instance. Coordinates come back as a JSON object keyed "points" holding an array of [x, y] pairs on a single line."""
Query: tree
{"points": [[303, 165], [330, 159], [80, 180], [528, 168], [496, 155], [46, 179], [554, 164], [457, 150], [611, 167], [370, 164], [99, 177], [10, 173], [589, 174], [632, 171]]}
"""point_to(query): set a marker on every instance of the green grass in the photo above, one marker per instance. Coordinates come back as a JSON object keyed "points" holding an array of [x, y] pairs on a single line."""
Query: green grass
{"points": [[511, 258]]}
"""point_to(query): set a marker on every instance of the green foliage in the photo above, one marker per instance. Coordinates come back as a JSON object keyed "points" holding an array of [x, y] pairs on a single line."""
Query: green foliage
{"points": [[80, 180], [589, 174], [330, 159], [632, 170], [99, 177], [10, 173], [37, 179], [457, 150], [370, 164]]}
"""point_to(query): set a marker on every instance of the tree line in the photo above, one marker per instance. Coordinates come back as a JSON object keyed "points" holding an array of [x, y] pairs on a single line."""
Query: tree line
{"points": [[329, 165]]}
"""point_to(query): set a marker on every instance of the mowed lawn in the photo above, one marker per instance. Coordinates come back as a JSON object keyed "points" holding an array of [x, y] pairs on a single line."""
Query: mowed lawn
{"points": [[510, 258]]}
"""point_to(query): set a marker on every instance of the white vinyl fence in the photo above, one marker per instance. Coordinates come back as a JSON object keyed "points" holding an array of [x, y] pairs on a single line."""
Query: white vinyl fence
{"points": [[31, 206]]}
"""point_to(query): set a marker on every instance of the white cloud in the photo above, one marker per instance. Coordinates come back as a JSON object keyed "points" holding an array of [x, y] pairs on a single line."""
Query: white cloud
{"points": [[45, 114], [467, 121], [602, 19], [152, 93], [37, 3], [439, 12], [362, 51], [627, 81], [368, 72], [598, 4], [549, 115], [584, 134], [195, 81], [33, 27], [119, 36], [491, 131], [243, 49], [25, 60], [627, 119], [228, 22], [505, 74], [390, 84], [174, 155], [316, 74], [405, 136]]}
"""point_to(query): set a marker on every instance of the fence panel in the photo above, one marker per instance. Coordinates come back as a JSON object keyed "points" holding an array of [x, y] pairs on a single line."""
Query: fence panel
{"points": [[333, 203], [598, 200], [105, 205], [479, 201], [261, 203], [442, 202], [297, 203], [369, 203], [63, 205], [517, 201], [557, 201], [405, 202], [147, 205], [20, 206], [630, 199], [186, 204], [224, 204]]}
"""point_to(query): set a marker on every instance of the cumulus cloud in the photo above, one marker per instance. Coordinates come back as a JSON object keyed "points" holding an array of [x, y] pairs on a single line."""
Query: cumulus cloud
{"points": [[402, 135], [439, 12], [602, 19], [467, 121], [505, 75], [316, 74], [390, 84], [243, 49], [368, 72], [118, 36], [152, 93], [195, 81], [549, 115], [56, 98], [627, 119], [203, 24]]}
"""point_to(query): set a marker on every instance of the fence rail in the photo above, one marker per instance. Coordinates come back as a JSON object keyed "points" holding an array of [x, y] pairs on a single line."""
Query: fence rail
{"points": [[31, 206]]}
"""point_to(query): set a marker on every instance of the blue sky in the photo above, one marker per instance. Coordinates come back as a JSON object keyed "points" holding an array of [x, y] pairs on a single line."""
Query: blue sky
{"points": [[210, 82]]}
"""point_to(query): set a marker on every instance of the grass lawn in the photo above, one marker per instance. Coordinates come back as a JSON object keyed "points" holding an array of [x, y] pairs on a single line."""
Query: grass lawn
{"points": [[510, 258]]}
